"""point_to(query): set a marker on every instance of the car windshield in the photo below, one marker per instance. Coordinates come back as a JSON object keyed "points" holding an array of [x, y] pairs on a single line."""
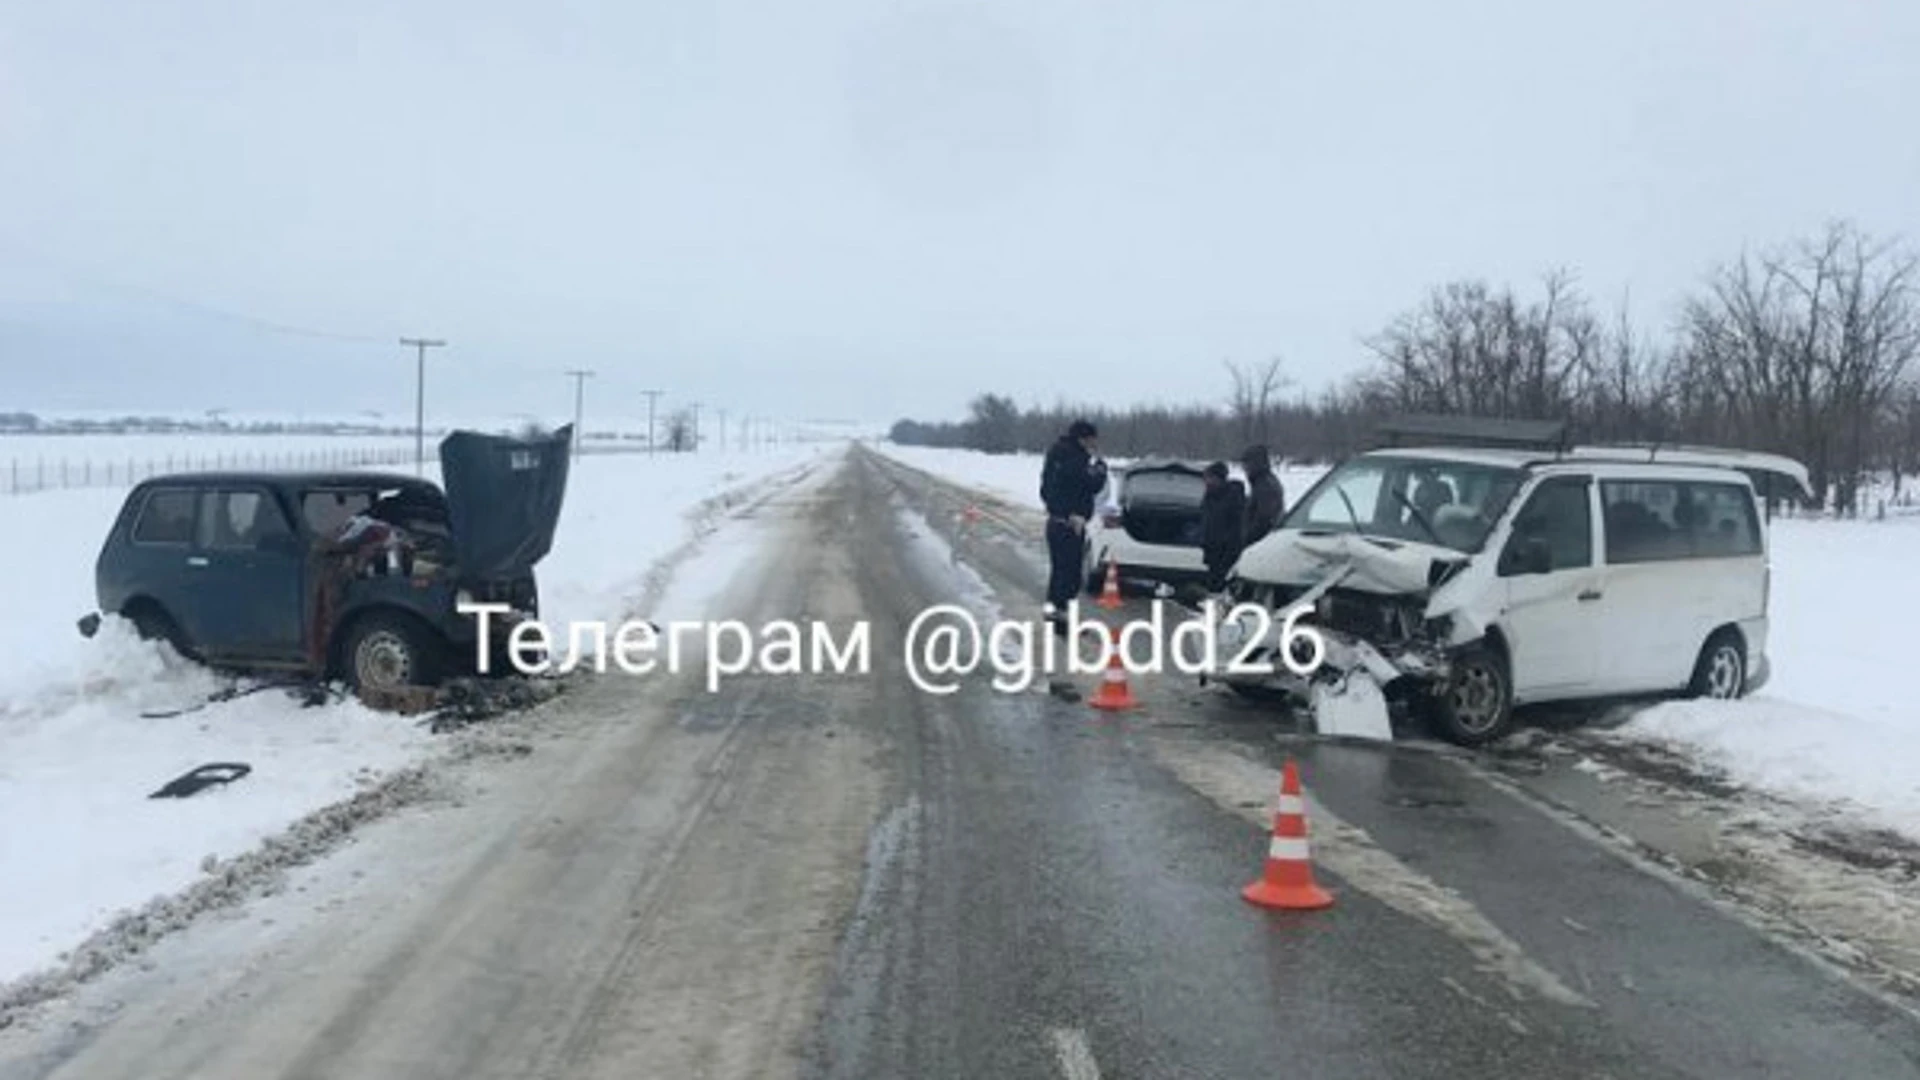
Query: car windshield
{"points": [[1451, 504]]}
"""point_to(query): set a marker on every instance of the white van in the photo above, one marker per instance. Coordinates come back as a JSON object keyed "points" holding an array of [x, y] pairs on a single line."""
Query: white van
{"points": [[1467, 581]]}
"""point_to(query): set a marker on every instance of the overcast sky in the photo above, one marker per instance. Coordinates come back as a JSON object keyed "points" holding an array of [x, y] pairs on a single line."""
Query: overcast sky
{"points": [[877, 208]]}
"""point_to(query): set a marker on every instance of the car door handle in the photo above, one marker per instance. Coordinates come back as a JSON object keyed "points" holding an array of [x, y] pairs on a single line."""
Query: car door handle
{"points": [[196, 560], [1589, 594]]}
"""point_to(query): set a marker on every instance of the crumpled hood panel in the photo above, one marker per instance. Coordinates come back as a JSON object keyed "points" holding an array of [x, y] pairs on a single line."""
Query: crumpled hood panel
{"points": [[1292, 557]]}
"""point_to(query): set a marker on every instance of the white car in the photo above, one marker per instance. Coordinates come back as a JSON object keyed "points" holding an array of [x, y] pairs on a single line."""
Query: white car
{"points": [[1149, 526], [1466, 581]]}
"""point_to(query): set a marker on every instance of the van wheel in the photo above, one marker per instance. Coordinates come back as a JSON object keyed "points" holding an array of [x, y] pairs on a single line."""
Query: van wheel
{"points": [[1721, 671], [1476, 705], [390, 652]]}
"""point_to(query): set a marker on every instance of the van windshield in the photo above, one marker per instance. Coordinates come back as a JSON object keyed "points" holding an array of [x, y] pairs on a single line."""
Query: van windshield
{"points": [[1450, 504]]}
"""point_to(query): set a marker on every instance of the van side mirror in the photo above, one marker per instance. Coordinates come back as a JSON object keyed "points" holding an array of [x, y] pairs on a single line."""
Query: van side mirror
{"points": [[1526, 555]]}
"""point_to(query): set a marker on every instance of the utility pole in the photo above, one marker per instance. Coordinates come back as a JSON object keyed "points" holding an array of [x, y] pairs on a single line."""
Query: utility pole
{"points": [[652, 396], [579, 378], [696, 427], [723, 431], [420, 397]]}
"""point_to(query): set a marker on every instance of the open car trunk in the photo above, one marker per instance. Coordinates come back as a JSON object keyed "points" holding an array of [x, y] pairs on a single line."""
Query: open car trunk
{"points": [[1160, 504], [503, 499]]}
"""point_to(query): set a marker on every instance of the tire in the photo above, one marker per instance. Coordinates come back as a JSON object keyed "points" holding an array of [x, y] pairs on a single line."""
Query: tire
{"points": [[1721, 672], [1256, 692], [152, 623], [389, 652], [1476, 706]]}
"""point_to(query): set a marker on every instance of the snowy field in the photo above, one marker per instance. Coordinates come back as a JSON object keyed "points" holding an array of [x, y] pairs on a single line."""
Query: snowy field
{"points": [[1836, 728], [77, 760]]}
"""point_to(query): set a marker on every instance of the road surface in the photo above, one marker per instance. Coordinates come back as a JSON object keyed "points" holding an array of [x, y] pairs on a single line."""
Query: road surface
{"points": [[843, 876]]}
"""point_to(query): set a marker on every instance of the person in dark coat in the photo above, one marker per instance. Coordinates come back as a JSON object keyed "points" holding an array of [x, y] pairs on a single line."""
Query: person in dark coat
{"points": [[1071, 479], [1266, 499], [1223, 512]]}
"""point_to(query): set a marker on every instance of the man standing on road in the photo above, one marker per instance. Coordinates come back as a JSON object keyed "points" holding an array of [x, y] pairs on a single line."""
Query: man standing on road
{"points": [[1265, 499], [1223, 512], [1070, 480]]}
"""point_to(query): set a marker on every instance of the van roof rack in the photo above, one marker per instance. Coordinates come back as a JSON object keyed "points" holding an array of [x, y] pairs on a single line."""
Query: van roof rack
{"points": [[1475, 431]]}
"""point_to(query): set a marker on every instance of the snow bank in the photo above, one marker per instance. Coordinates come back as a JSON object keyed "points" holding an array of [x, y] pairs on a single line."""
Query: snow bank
{"points": [[1836, 725], [77, 760]]}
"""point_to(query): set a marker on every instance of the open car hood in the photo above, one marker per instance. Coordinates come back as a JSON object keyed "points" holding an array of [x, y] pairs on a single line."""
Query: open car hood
{"points": [[503, 499], [1387, 567]]}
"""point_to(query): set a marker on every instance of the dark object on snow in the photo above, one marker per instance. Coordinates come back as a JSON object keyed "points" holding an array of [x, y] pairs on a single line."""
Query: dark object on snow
{"points": [[469, 701], [308, 693], [224, 566], [89, 624], [197, 780], [1063, 690]]}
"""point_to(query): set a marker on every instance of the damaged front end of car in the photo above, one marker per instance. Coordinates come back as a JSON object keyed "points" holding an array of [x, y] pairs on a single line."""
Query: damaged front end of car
{"points": [[1384, 612]]}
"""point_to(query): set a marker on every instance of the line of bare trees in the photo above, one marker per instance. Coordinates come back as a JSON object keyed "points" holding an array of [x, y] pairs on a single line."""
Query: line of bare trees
{"points": [[1808, 349]]}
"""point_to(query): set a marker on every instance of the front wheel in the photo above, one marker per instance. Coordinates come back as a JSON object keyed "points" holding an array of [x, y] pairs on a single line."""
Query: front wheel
{"points": [[1721, 672], [390, 652], [1476, 705]]}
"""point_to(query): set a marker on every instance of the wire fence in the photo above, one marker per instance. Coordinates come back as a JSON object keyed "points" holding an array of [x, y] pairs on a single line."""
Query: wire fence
{"points": [[28, 476]]}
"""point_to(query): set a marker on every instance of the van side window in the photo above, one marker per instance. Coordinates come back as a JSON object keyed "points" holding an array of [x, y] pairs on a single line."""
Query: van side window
{"points": [[167, 517], [239, 520], [1560, 514], [1725, 522], [1654, 520]]}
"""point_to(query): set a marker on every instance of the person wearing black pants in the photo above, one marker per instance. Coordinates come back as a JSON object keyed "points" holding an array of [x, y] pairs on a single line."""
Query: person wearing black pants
{"points": [[1071, 479]]}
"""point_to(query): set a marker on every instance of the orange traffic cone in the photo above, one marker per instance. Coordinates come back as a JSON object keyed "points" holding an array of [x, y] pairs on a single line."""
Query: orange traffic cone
{"points": [[1114, 693], [1110, 592], [1288, 882]]}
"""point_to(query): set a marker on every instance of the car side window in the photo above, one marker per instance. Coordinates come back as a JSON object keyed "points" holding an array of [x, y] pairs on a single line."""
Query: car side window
{"points": [[167, 517], [326, 511], [238, 520], [1559, 516]]}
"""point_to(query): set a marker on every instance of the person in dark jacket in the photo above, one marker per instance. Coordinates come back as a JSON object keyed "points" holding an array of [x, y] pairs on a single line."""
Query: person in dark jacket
{"points": [[1071, 479], [1266, 499], [1223, 512]]}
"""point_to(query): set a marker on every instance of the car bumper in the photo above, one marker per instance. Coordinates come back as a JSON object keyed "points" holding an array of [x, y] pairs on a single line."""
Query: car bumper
{"points": [[1341, 653]]}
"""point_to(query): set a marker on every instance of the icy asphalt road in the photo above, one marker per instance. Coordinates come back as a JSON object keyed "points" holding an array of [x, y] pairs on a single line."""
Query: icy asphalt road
{"points": [[845, 877]]}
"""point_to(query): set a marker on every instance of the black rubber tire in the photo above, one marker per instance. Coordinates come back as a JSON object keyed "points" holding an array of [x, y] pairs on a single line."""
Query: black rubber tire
{"points": [[1721, 671], [1476, 706], [384, 651], [152, 623], [1265, 695]]}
